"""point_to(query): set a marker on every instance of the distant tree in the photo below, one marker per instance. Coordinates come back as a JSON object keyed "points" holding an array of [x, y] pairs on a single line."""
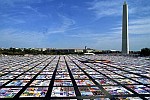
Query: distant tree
{"points": [[145, 52], [1, 51]]}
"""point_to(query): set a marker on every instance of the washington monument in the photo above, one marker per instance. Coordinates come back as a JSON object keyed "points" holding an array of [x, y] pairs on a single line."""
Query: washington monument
{"points": [[125, 38]]}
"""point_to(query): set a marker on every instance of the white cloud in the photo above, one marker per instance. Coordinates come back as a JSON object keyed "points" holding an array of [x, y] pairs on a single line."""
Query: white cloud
{"points": [[85, 35], [17, 38], [105, 8], [114, 7], [35, 10], [65, 25], [139, 29], [9, 18], [140, 21], [12, 3], [16, 21]]}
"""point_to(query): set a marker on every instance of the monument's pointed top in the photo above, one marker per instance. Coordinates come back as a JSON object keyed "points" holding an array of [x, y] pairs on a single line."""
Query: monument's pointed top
{"points": [[125, 2]]}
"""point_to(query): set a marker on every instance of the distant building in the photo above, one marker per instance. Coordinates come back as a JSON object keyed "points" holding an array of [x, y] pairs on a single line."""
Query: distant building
{"points": [[88, 50], [89, 54], [79, 50]]}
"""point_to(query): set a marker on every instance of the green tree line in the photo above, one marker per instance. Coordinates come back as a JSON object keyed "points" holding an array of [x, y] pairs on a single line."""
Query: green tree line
{"points": [[145, 52], [18, 51]]}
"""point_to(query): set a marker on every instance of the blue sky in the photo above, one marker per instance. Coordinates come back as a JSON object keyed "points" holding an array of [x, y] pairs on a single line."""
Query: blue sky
{"points": [[72, 23]]}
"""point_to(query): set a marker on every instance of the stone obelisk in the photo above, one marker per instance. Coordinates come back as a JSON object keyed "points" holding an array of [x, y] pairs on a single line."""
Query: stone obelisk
{"points": [[125, 38]]}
